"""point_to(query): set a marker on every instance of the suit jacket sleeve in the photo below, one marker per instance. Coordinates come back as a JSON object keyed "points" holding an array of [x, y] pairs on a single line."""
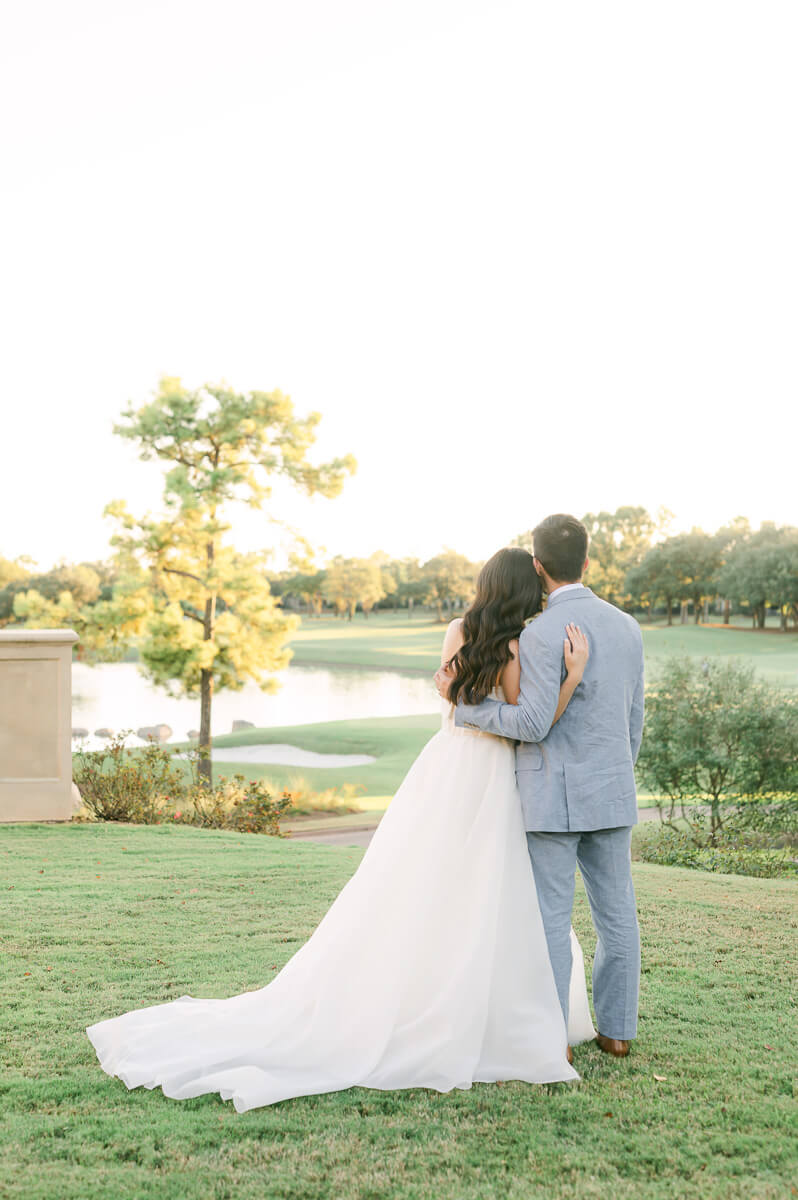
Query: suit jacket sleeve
{"points": [[530, 719], [637, 712]]}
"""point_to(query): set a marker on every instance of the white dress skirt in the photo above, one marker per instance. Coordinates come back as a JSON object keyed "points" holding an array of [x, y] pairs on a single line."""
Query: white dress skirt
{"points": [[430, 969]]}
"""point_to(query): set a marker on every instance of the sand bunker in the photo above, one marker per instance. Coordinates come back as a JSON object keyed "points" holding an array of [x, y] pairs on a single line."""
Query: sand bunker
{"points": [[287, 756]]}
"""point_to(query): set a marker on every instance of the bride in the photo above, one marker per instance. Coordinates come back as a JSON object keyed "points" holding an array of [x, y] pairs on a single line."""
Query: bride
{"points": [[431, 967]]}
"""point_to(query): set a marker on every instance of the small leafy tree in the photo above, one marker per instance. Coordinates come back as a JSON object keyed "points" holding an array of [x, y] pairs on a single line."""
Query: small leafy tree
{"points": [[352, 581], [305, 586], [716, 735], [12, 570], [449, 580], [618, 541], [410, 584], [656, 578], [205, 613], [82, 582], [762, 570]]}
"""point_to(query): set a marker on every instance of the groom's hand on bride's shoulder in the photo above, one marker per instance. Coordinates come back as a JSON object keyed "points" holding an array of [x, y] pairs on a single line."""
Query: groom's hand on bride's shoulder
{"points": [[443, 677]]}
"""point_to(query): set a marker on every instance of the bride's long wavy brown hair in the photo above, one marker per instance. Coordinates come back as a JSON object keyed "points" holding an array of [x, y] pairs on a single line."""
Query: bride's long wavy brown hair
{"points": [[508, 594]]}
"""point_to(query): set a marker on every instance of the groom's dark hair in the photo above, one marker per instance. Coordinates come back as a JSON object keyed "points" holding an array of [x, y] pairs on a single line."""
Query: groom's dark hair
{"points": [[561, 547]]}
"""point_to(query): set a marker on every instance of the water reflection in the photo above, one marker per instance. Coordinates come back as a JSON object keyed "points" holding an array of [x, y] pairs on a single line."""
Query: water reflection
{"points": [[117, 696]]}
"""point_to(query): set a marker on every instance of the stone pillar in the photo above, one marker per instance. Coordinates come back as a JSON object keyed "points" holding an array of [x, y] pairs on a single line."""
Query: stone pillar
{"points": [[36, 724]]}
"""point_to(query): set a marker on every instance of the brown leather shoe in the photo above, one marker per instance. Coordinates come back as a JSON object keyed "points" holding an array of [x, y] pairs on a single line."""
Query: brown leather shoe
{"points": [[612, 1046], [569, 1054]]}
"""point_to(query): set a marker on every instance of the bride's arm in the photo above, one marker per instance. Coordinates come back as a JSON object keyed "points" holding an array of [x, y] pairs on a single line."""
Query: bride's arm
{"points": [[452, 641], [576, 651], [511, 675]]}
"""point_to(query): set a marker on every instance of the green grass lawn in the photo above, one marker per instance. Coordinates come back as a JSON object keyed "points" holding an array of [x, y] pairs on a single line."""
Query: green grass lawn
{"points": [[100, 919], [393, 642], [394, 741]]}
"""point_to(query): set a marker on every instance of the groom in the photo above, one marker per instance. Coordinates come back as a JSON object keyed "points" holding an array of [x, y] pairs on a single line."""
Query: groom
{"points": [[576, 779]]}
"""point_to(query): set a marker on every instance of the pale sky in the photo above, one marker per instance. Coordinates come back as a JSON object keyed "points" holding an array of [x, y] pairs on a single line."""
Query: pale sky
{"points": [[523, 256]]}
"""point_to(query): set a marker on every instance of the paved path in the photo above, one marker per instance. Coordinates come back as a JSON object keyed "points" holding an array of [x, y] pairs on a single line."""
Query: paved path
{"points": [[362, 837]]}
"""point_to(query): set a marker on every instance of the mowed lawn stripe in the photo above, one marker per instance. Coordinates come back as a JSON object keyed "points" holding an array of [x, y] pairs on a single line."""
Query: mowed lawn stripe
{"points": [[393, 642]]}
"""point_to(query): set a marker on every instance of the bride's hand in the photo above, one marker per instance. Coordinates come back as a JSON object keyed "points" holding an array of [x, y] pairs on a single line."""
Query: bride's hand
{"points": [[576, 651], [443, 677]]}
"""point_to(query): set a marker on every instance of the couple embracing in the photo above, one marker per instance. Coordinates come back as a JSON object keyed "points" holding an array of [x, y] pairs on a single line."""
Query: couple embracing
{"points": [[449, 957]]}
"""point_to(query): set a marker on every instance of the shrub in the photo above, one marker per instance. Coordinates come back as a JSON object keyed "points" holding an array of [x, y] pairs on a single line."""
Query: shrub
{"points": [[254, 809], [145, 787], [119, 785], [717, 736], [733, 853], [238, 803]]}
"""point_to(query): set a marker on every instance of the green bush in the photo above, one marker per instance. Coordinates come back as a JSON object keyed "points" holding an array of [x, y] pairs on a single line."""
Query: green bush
{"points": [[736, 852], [238, 803], [145, 787], [716, 736], [117, 784]]}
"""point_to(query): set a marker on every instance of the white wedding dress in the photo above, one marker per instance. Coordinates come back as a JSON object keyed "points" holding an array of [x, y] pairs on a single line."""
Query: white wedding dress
{"points": [[429, 970]]}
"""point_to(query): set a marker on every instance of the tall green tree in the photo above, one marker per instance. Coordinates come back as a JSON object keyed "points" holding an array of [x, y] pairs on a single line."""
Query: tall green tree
{"points": [[762, 571], [684, 567], [352, 581], [306, 586], [697, 558], [656, 578], [206, 614], [12, 569], [411, 586], [618, 542], [449, 580], [730, 537]]}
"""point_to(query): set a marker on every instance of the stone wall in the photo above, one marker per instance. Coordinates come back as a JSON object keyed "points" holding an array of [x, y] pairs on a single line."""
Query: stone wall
{"points": [[36, 724]]}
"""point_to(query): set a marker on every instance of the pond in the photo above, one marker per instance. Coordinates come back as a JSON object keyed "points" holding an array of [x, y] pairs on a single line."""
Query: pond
{"points": [[117, 696]]}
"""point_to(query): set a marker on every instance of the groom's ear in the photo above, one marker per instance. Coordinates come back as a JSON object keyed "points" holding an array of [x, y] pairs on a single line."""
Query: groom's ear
{"points": [[538, 566]]}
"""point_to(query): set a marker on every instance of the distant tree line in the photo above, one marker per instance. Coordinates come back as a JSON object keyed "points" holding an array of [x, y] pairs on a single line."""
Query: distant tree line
{"points": [[445, 583], [634, 563]]}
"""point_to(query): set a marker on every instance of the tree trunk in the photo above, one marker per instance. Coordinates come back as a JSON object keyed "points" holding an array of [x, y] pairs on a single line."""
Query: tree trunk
{"points": [[205, 767], [669, 606], [683, 613], [409, 607], [760, 616], [783, 616], [727, 612]]}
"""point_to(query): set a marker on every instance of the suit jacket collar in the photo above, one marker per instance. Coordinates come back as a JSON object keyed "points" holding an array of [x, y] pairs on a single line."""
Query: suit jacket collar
{"points": [[572, 594]]}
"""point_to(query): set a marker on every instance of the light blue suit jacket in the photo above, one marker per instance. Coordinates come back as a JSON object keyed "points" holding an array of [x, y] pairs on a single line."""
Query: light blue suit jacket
{"points": [[577, 775]]}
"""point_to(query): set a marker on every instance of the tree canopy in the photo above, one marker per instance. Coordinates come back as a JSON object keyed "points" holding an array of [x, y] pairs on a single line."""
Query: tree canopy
{"points": [[204, 613]]}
